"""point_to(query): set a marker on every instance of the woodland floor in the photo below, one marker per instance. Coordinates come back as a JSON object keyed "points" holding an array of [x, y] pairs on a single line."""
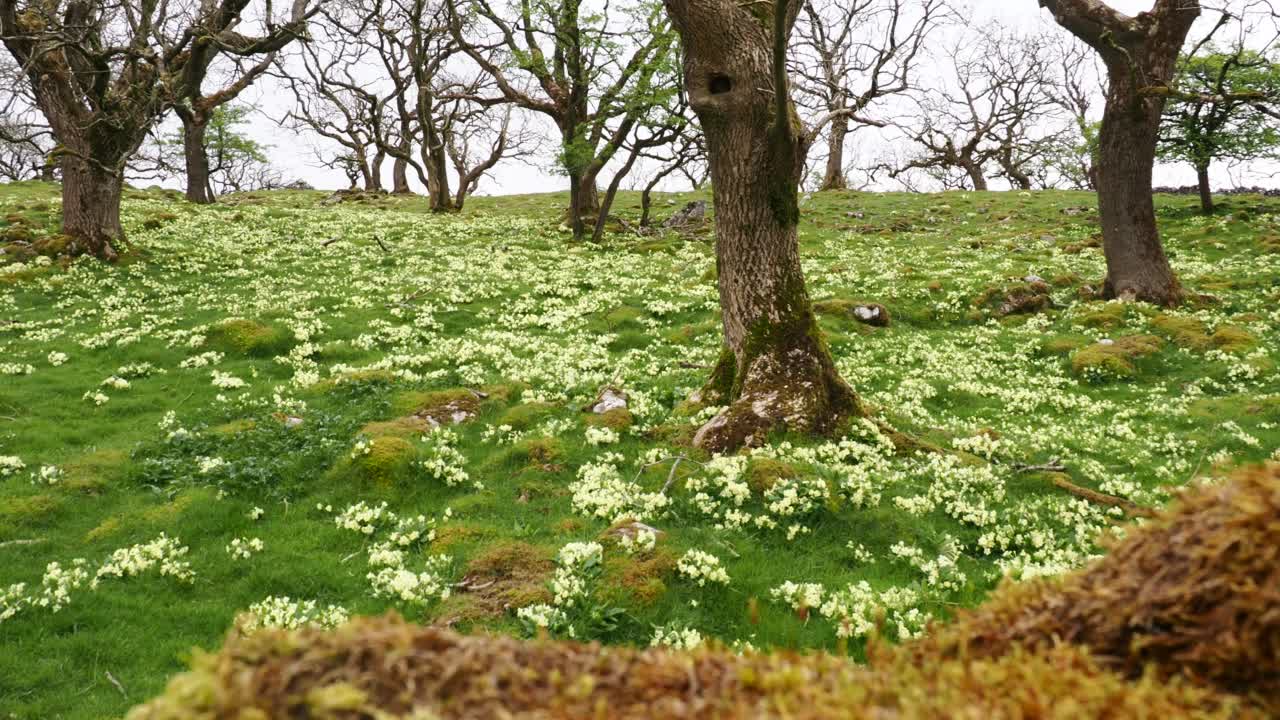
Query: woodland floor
{"points": [[192, 432]]}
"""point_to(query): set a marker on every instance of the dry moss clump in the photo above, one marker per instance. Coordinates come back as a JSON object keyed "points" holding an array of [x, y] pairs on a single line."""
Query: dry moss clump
{"points": [[1194, 593], [386, 668]]}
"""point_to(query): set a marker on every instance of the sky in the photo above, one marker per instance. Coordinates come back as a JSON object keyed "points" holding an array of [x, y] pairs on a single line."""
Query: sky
{"points": [[295, 155]]}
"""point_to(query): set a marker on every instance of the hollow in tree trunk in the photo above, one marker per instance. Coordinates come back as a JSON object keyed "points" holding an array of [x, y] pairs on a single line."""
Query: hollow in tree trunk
{"points": [[91, 207], [1206, 192], [834, 178], [194, 126], [775, 371]]}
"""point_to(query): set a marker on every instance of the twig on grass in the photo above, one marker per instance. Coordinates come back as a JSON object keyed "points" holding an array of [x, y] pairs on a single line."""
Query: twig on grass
{"points": [[116, 682]]}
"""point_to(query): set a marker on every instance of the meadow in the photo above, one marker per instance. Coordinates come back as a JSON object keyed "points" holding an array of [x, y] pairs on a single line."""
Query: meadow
{"points": [[280, 411]]}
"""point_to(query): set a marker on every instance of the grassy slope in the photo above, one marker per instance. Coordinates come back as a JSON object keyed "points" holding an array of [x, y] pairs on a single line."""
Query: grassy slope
{"points": [[498, 298]]}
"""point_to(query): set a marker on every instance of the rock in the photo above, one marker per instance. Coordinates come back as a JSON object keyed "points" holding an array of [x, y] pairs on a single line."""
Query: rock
{"points": [[609, 399], [691, 215], [632, 529], [872, 314], [1033, 279], [1048, 240]]}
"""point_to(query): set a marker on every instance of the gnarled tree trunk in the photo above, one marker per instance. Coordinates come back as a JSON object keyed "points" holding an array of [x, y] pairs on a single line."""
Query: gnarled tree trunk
{"points": [[976, 176], [91, 207], [1140, 54], [775, 370]]}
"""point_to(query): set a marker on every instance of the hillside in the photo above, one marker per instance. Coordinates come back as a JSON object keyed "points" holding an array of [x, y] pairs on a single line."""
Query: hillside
{"points": [[215, 424]]}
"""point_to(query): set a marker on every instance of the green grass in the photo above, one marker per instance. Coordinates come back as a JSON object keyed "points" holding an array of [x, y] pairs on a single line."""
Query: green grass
{"points": [[358, 342]]}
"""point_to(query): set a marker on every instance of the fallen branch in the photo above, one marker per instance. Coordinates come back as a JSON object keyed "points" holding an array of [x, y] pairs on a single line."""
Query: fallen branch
{"points": [[1130, 507], [33, 541], [381, 244], [329, 242]]}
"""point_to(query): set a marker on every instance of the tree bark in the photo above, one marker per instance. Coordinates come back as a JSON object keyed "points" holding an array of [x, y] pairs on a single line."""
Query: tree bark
{"points": [[400, 177], [194, 126], [374, 183], [976, 176], [91, 208], [1140, 54], [1206, 192], [775, 371], [435, 157], [834, 177]]}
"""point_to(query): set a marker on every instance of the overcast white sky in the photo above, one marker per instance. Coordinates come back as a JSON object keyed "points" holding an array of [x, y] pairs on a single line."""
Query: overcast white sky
{"points": [[295, 154]]}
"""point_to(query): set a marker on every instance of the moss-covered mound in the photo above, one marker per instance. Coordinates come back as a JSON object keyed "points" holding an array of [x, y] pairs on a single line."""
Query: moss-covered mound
{"points": [[1114, 358], [1195, 592], [386, 668], [250, 337]]}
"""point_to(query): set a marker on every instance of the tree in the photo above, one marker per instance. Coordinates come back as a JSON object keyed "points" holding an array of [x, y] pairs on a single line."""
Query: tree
{"points": [[775, 370], [560, 56], [25, 142], [103, 74], [197, 108], [851, 54], [1140, 54], [990, 110], [1214, 113]]}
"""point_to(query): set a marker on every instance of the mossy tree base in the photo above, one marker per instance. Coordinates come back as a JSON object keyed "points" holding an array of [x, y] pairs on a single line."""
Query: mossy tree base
{"points": [[791, 387]]}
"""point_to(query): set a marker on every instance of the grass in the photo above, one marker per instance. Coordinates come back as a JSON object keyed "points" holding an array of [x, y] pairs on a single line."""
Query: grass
{"points": [[338, 341]]}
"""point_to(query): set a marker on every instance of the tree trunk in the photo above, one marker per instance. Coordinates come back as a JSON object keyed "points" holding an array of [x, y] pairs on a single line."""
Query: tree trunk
{"points": [[775, 371], [976, 176], [435, 157], [91, 208], [834, 177], [1137, 268], [374, 183], [1140, 53], [48, 171], [400, 176], [197, 158], [1206, 193], [584, 203]]}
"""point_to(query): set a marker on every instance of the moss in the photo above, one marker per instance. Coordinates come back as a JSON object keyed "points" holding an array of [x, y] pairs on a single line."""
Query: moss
{"points": [[623, 315], [1187, 332], [158, 220], [763, 473], [28, 509], [522, 417], [1021, 298], [358, 377], [615, 419], [405, 427], [867, 313], [165, 515], [1201, 577], [1105, 316], [235, 427], [635, 579], [104, 529], [1066, 280], [388, 462], [1063, 344], [250, 337], [507, 576], [1233, 339], [686, 334], [94, 470], [451, 535], [1115, 359]]}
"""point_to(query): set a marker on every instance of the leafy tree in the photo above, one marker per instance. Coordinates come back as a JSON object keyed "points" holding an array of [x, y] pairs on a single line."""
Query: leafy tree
{"points": [[1214, 113]]}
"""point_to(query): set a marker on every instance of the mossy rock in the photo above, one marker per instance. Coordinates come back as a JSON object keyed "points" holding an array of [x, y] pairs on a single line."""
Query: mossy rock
{"points": [[1022, 298], [250, 337], [439, 407], [867, 313], [615, 419], [1115, 359], [158, 220], [526, 415], [1233, 339], [51, 245], [1186, 332], [763, 473]]}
